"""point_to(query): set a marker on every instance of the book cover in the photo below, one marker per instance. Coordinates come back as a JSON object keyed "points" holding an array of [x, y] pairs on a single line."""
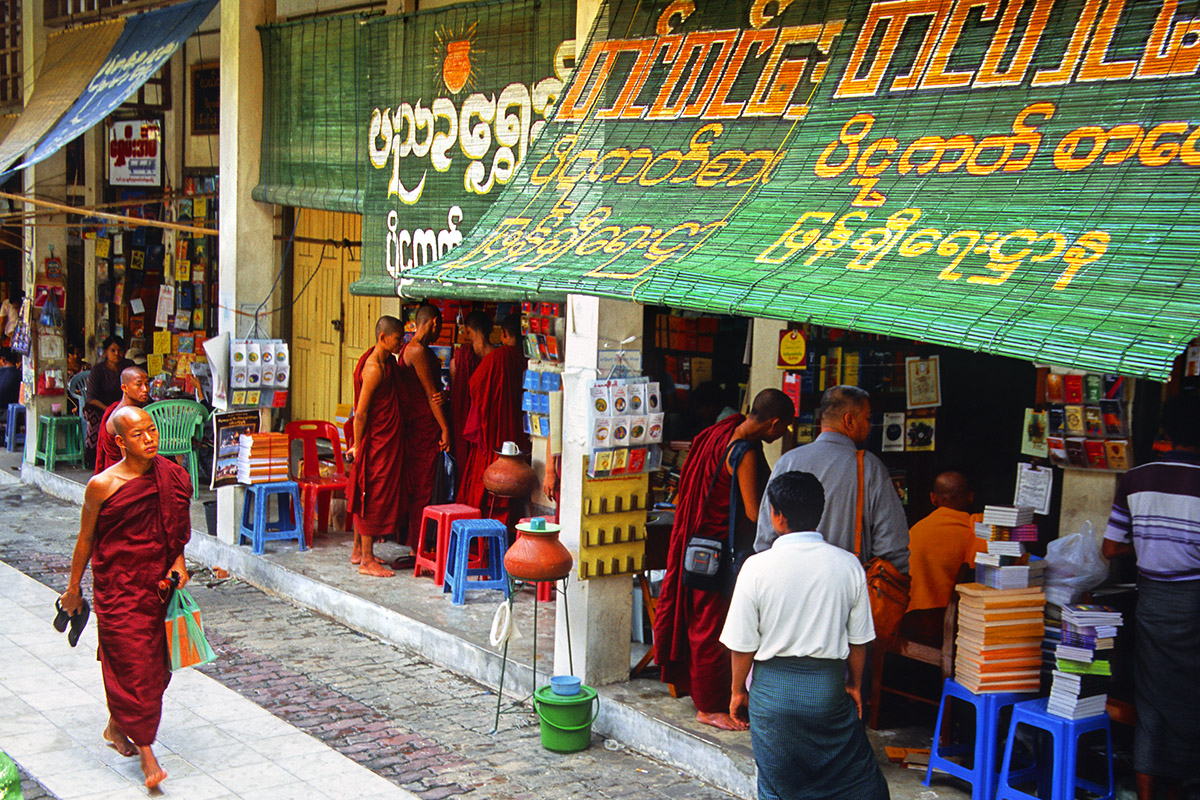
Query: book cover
{"points": [[1093, 388], [1110, 414], [1073, 388], [1092, 422], [1056, 417], [1095, 454], [1075, 423], [1077, 452], [1058, 450], [1054, 389], [1116, 451]]}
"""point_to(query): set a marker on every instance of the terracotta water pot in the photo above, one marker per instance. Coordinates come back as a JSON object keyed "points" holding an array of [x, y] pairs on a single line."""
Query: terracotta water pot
{"points": [[510, 475], [538, 555]]}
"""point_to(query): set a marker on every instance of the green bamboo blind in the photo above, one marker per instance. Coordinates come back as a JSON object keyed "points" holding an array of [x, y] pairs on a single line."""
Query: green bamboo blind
{"points": [[1081, 254]]}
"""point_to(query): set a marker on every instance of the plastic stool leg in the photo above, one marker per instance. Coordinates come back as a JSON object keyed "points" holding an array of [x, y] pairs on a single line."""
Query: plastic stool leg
{"points": [[459, 593], [448, 573], [260, 525], [301, 536]]}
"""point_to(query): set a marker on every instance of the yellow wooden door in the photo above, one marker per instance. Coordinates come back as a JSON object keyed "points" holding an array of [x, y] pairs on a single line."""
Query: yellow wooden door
{"points": [[359, 313], [317, 325]]}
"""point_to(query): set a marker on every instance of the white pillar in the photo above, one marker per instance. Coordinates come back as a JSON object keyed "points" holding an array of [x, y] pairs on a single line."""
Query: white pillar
{"points": [[248, 255], [600, 608], [46, 180], [764, 369]]}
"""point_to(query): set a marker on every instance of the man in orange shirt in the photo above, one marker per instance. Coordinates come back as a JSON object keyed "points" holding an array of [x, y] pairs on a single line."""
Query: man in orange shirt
{"points": [[940, 546]]}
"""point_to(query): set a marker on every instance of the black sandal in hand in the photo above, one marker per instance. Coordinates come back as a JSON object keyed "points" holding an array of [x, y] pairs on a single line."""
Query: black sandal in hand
{"points": [[76, 621]]}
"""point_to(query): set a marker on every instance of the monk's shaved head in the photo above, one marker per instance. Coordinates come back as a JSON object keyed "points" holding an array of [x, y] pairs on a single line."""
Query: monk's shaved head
{"points": [[512, 325], [772, 404], [426, 312], [131, 374], [479, 321], [951, 489], [126, 417], [388, 325]]}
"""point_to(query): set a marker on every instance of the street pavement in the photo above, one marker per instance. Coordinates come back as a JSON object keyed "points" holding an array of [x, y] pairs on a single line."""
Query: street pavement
{"points": [[419, 727]]}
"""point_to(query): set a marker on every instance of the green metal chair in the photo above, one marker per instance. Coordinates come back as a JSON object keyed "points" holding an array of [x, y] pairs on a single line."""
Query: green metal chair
{"points": [[179, 422]]}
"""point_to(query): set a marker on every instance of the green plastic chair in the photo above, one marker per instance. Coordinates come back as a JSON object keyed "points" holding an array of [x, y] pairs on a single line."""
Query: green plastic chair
{"points": [[179, 422]]}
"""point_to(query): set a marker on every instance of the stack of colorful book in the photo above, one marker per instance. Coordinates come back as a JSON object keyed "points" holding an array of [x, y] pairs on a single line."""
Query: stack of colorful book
{"points": [[999, 640], [262, 458], [1005, 565], [1080, 687]]}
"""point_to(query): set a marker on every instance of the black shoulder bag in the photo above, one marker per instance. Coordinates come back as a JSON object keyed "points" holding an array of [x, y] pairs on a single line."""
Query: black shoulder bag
{"points": [[708, 563]]}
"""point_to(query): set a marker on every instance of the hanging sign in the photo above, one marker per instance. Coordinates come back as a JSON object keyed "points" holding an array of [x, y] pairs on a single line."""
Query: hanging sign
{"points": [[792, 350], [135, 153]]}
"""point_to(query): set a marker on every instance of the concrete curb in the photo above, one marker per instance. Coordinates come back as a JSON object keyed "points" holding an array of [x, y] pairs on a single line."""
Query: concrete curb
{"points": [[617, 719]]}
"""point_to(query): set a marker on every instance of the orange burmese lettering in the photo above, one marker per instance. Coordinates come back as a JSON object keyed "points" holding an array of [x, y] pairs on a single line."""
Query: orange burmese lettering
{"points": [[700, 44], [1095, 68], [895, 14], [989, 71], [1173, 47], [718, 107], [622, 107], [572, 109], [1066, 68], [936, 76], [779, 86]]}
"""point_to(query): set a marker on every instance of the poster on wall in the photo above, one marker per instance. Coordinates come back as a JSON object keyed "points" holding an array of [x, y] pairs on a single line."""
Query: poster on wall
{"points": [[227, 431], [135, 153]]}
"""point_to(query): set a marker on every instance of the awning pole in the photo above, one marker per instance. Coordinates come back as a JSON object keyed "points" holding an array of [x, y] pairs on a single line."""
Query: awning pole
{"points": [[134, 221]]}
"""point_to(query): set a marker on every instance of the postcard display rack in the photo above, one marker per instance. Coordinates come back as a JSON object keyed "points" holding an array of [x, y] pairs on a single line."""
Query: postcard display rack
{"points": [[1086, 421], [260, 373]]}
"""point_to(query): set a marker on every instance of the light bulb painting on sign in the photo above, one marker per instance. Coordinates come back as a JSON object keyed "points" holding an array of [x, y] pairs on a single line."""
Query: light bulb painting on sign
{"points": [[456, 96], [1014, 176]]}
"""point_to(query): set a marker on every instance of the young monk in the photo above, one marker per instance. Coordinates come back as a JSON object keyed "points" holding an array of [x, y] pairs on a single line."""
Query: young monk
{"points": [[477, 329], [135, 391], [377, 492], [427, 430], [133, 528], [495, 416]]}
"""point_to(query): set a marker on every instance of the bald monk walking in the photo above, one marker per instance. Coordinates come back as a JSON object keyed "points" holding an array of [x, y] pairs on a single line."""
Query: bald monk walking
{"points": [[133, 529], [135, 391], [376, 483], [723, 477], [426, 427], [477, 333], [495, 416]]}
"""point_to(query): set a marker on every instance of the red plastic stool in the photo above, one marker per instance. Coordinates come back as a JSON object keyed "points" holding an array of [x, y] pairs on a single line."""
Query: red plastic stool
{"points": [[434, 560]]}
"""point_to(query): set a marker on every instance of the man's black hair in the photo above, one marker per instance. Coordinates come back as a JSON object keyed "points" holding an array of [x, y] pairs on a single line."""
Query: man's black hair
{"points": [[512, 325], [1181, 420], [800, 497]]}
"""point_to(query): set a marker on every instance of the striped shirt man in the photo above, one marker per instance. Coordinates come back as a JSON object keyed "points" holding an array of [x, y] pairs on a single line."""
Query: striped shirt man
{"points": [[1157, 509]]}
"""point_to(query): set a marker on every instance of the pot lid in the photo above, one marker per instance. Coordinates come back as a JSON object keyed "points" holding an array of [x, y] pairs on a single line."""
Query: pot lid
{"points": [[538, 525]]}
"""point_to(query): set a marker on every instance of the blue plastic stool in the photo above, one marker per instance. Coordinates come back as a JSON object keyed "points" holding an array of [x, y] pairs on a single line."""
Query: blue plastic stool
{"points": [[1065, 734], [255, 526], [15, 415], [983, 774], [490, 532]]}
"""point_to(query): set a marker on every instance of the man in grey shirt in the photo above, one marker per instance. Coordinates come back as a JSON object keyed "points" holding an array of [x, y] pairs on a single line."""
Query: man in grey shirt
{"points": [[845, 415]]}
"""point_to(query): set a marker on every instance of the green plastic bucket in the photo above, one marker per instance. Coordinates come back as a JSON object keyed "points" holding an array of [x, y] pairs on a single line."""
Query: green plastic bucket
{"points": [[566, 719]]}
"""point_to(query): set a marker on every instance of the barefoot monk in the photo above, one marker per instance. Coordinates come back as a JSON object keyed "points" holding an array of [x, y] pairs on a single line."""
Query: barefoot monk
{"points": [[135, 391], [719, 491], [133, 528], [377, 487]]}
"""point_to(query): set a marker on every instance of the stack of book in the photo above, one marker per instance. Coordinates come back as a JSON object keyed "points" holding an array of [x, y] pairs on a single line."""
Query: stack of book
{"points": [[262, 458], [1080, 686], [999, 640], [1005, 565], [341, 414]]}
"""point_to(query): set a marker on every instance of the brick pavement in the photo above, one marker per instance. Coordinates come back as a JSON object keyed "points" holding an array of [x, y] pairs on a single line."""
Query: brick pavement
{"points": [[418, 725]]}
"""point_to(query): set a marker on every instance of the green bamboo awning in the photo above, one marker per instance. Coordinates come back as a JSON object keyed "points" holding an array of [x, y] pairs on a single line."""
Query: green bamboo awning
{"points": [[970, 182]]}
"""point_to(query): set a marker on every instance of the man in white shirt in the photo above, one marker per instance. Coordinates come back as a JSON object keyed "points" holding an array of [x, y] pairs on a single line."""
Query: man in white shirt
{"points": [[798, 613]]}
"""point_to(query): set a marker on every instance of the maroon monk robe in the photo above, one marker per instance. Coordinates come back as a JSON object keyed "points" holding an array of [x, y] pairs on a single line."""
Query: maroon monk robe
{"points": [[140, 531], [421, 437], [688, 622], [464, 363], [377, 489], [495, 418], [108, 452]]}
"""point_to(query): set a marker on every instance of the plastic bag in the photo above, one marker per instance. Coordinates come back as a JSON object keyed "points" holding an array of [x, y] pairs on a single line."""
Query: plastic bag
{"points": [[445, 480], [185, 633], [1074, 565]]}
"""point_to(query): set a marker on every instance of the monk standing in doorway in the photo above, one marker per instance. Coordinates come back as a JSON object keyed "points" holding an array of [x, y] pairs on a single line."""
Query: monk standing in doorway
{"points": [[135, 391], [426, 429], [495, 416], [477, 330], [133, 529], [376, 483]]}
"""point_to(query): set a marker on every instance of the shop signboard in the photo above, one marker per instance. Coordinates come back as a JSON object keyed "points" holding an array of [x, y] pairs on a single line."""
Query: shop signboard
{"points": [[454, 98], [1018, 177], [135, 153]]}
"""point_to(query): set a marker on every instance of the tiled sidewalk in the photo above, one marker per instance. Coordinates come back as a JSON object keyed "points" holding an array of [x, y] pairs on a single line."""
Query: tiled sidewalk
{"points": [[214, 743]]}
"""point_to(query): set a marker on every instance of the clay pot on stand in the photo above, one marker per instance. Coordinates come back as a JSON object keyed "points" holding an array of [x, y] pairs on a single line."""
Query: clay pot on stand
{"points": [[510, 475], [538, 555]]}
